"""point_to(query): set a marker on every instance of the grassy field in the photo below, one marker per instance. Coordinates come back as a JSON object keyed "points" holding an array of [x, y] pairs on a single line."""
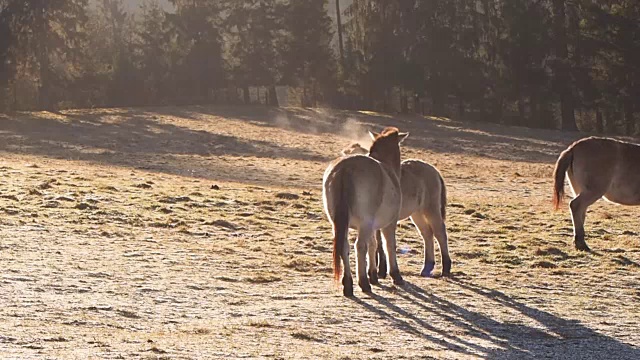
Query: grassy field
{"points": [[198, 232]]}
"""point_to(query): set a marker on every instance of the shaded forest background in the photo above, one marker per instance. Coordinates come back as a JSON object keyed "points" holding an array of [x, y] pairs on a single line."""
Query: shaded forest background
{"points": [[540, 63]]}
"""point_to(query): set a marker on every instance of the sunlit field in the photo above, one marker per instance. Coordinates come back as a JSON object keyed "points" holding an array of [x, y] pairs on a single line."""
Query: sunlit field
{"points": [[198, 232]]}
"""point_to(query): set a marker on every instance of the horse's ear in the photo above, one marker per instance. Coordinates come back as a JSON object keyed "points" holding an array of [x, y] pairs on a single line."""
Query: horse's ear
{"points": [[373, 135], [402, 136]]}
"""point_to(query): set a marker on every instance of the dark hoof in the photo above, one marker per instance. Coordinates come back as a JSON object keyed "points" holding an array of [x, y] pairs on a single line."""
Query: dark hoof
{"points": [[397, 278], [382, 268], [365, 286], [427, 270], [582, 246], [446, 268], [373, 279], [348, 287]]}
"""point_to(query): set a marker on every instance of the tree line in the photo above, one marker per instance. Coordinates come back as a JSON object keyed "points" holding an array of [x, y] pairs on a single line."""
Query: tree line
{"points": [[539, 63]]}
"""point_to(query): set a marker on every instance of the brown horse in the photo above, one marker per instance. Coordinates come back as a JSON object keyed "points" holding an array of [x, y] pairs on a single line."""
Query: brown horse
{"points": [[424, 200], [597, 167], [363, 193]]}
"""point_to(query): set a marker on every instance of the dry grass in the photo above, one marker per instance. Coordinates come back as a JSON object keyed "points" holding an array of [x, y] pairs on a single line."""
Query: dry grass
{"points": [[198, 232]]}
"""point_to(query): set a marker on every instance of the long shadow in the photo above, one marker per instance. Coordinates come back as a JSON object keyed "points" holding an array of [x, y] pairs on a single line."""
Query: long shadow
{"points": [[438, 135], [421, 330], [556, 338], [132, 137]]}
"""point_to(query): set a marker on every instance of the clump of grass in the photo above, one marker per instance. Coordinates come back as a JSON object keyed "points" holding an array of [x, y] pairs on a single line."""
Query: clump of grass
{"points": [[304, 336], [552, 251], [287, 196], [470, 255], [544, 264], [263, 279], [262, 323], [302, 264]]}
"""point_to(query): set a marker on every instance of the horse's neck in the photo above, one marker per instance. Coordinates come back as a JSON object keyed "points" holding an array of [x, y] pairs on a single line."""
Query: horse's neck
{"points": [[391, 167]]}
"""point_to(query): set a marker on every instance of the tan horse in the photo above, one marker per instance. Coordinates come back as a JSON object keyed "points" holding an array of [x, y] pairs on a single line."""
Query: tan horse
{"points": [[363, 193], [597, 167], [424, 200]]}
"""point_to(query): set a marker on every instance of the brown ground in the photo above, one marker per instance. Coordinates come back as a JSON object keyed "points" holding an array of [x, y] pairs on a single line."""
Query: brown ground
{"points": [[198, 232]]}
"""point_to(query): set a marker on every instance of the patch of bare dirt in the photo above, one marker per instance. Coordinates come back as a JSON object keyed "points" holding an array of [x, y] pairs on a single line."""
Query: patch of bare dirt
{"points": [[198, 232]]}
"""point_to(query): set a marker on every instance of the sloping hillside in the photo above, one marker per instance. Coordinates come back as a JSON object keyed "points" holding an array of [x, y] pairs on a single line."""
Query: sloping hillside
{"points": [[198, 232]]}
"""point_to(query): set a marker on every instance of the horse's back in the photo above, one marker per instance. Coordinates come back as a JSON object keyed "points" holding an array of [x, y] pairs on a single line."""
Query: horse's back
{"points": [[609, 166], [375, 193]]}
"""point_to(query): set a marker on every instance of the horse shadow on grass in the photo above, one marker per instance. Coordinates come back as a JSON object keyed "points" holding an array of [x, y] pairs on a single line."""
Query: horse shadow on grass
{"points": [[488, 338]]}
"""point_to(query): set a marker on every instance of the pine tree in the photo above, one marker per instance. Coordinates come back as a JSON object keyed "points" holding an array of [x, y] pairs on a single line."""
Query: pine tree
{"points": [[307, 55], [253, 27], [154, 44], [6, 61], [49, 33], [197, 27], [113, 45]]}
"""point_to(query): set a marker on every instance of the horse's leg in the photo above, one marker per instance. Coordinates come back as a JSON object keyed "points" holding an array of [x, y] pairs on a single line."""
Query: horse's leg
{"points": [[389, 237], [440, 231], [578, 208], [372, 250], [361, 245], [382, 260], [423, 227], [347, 278]]}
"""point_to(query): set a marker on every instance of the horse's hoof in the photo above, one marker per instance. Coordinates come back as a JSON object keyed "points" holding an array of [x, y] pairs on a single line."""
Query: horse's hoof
{"points": [[427, 270], [582, 246], [382, 270], [446, 268], [373, 279], [347, 282], [366, 287], [397, 278]]}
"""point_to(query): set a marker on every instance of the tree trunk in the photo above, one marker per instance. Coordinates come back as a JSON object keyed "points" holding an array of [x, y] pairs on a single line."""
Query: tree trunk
{"points": [[599, 122], [247, 97], [562, 76], [522, 117], [535, 110], [273, 96], [629, 118], [438, 99], [42, 55], [340, 41]]}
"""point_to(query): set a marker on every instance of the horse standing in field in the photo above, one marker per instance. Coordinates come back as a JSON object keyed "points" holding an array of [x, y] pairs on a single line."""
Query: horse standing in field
{"points": [[424, 200], [597, 167], [363, 193]]}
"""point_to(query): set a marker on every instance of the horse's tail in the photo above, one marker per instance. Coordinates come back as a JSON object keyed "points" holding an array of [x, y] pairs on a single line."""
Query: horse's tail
{"points": [[341, 221], [443, 198], [562, 165]]}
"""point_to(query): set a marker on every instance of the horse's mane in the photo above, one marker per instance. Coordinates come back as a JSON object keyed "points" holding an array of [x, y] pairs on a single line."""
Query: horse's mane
{"points": [[388, 132]]}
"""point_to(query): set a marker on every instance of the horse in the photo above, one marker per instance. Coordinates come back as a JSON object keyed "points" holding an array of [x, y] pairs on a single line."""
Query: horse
{"points": [[363, 193], [597, 167], [424, 200]]}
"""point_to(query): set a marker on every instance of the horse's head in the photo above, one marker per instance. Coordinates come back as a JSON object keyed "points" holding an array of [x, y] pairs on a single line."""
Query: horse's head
{"points": [[386, 146], [354, 149]]}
